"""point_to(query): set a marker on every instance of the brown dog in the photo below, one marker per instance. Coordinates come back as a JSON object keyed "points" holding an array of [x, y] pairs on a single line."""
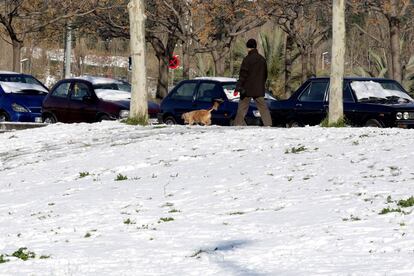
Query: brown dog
{"points": [[202, 116]]}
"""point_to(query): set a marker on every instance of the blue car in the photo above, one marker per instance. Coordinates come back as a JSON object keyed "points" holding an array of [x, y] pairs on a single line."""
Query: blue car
{"points": [[200, 93], [21, 97]]}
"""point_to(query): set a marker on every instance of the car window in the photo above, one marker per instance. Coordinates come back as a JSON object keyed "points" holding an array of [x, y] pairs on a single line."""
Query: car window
{"points": [[346, 95], [19, 79], [348, 98], [79, 91], [208, 91], [315, 92], [184, 92], [62, 90]]}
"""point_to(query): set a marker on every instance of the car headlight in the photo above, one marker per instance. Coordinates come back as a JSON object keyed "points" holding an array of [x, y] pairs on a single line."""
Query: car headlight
{"points": [[18, 108], [124, 114], [256, 113], [406, 116], [399, 116]]}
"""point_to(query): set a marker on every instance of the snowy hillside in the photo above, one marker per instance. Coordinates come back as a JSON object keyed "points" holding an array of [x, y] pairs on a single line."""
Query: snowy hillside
{"points": [[112, 199]]}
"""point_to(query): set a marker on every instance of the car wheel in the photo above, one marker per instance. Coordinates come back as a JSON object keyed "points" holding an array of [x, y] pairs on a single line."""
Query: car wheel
{"points": [[373, 123], [170, 121], [104, 118], [49, 119], [293, 124], [4, 117]]}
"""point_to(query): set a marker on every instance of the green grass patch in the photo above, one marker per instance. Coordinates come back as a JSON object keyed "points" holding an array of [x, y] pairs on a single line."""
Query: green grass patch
{"points": [[296, 149], [3, 259], [341, 123], [83, 174], [121, 177], [390, 210], [165, 219], [129, 221], [24, 254], [139, 121], [404, 203]]}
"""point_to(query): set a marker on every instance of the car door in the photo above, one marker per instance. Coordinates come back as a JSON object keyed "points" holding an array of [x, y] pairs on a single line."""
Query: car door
{"points": [[207, 92], [82, 107], [58, 102], [311, 106], [180, 100]]}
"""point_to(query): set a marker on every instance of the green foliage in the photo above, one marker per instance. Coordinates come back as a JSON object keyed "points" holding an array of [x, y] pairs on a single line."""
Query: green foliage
{"points": [[340, 123], [379, 68], [404, 203], [390, 210], [273, 50], [165, 219], [3, 259], [129, 221], [296, 149], [23, 254], [141, 121], [83, 174], [121, 177]]}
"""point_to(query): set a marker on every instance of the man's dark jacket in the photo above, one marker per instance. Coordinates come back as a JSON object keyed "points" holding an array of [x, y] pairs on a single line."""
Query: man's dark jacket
{"points": [[253, 75]]}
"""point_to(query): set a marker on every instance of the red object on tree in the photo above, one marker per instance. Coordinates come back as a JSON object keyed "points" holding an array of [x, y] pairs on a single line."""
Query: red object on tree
{"points": [[174, 62]]}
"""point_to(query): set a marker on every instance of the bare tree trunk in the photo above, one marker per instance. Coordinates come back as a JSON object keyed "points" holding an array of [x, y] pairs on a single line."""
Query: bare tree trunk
{"points": [[17, 46], [162, 85], [336, 107], [394, 24], [219, 61], [304, 59], [139, 105], [231, 56], [68, 52], [186, 60], [288, 65]]}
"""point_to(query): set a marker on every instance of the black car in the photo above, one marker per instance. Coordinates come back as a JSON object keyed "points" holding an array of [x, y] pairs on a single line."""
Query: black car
{"points": [[367, 102], [200, 93]]}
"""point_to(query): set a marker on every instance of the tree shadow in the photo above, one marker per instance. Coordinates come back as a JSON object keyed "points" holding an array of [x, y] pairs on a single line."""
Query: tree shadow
{"points": [[227, 265]]}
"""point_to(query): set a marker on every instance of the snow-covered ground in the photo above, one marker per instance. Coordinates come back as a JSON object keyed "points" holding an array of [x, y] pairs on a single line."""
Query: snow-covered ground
{"points": [[112, 199]]}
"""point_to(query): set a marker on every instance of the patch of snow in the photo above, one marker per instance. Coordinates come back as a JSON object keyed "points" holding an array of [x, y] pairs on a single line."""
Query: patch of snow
{"points": [[16, 87], [366, 89], [219, 79], [114, 199], [97, 80]]}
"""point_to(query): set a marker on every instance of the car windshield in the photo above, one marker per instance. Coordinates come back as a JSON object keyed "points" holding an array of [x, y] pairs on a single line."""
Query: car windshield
{"points": [[380, 92], [23, 88]]}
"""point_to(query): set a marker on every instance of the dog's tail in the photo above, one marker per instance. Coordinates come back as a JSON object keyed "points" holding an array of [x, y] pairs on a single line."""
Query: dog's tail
{"points": [[214, 107]]}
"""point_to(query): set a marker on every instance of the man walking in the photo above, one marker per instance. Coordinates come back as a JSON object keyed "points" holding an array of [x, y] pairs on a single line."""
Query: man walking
{"points": [[251, 84]]}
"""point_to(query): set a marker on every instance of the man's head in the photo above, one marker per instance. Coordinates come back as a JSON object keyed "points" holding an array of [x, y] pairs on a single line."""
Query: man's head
{"points": [[251, 44]]}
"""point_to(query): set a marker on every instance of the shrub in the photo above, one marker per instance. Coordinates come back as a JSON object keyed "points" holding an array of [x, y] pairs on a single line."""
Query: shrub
{"points": [[121, 177], [23, 254], [406, 202]]}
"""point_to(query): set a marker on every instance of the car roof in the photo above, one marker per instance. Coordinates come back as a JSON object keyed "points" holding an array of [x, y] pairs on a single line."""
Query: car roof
{"points": [[97, 80], [218, 79], [10, 73], [355, 78]]}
